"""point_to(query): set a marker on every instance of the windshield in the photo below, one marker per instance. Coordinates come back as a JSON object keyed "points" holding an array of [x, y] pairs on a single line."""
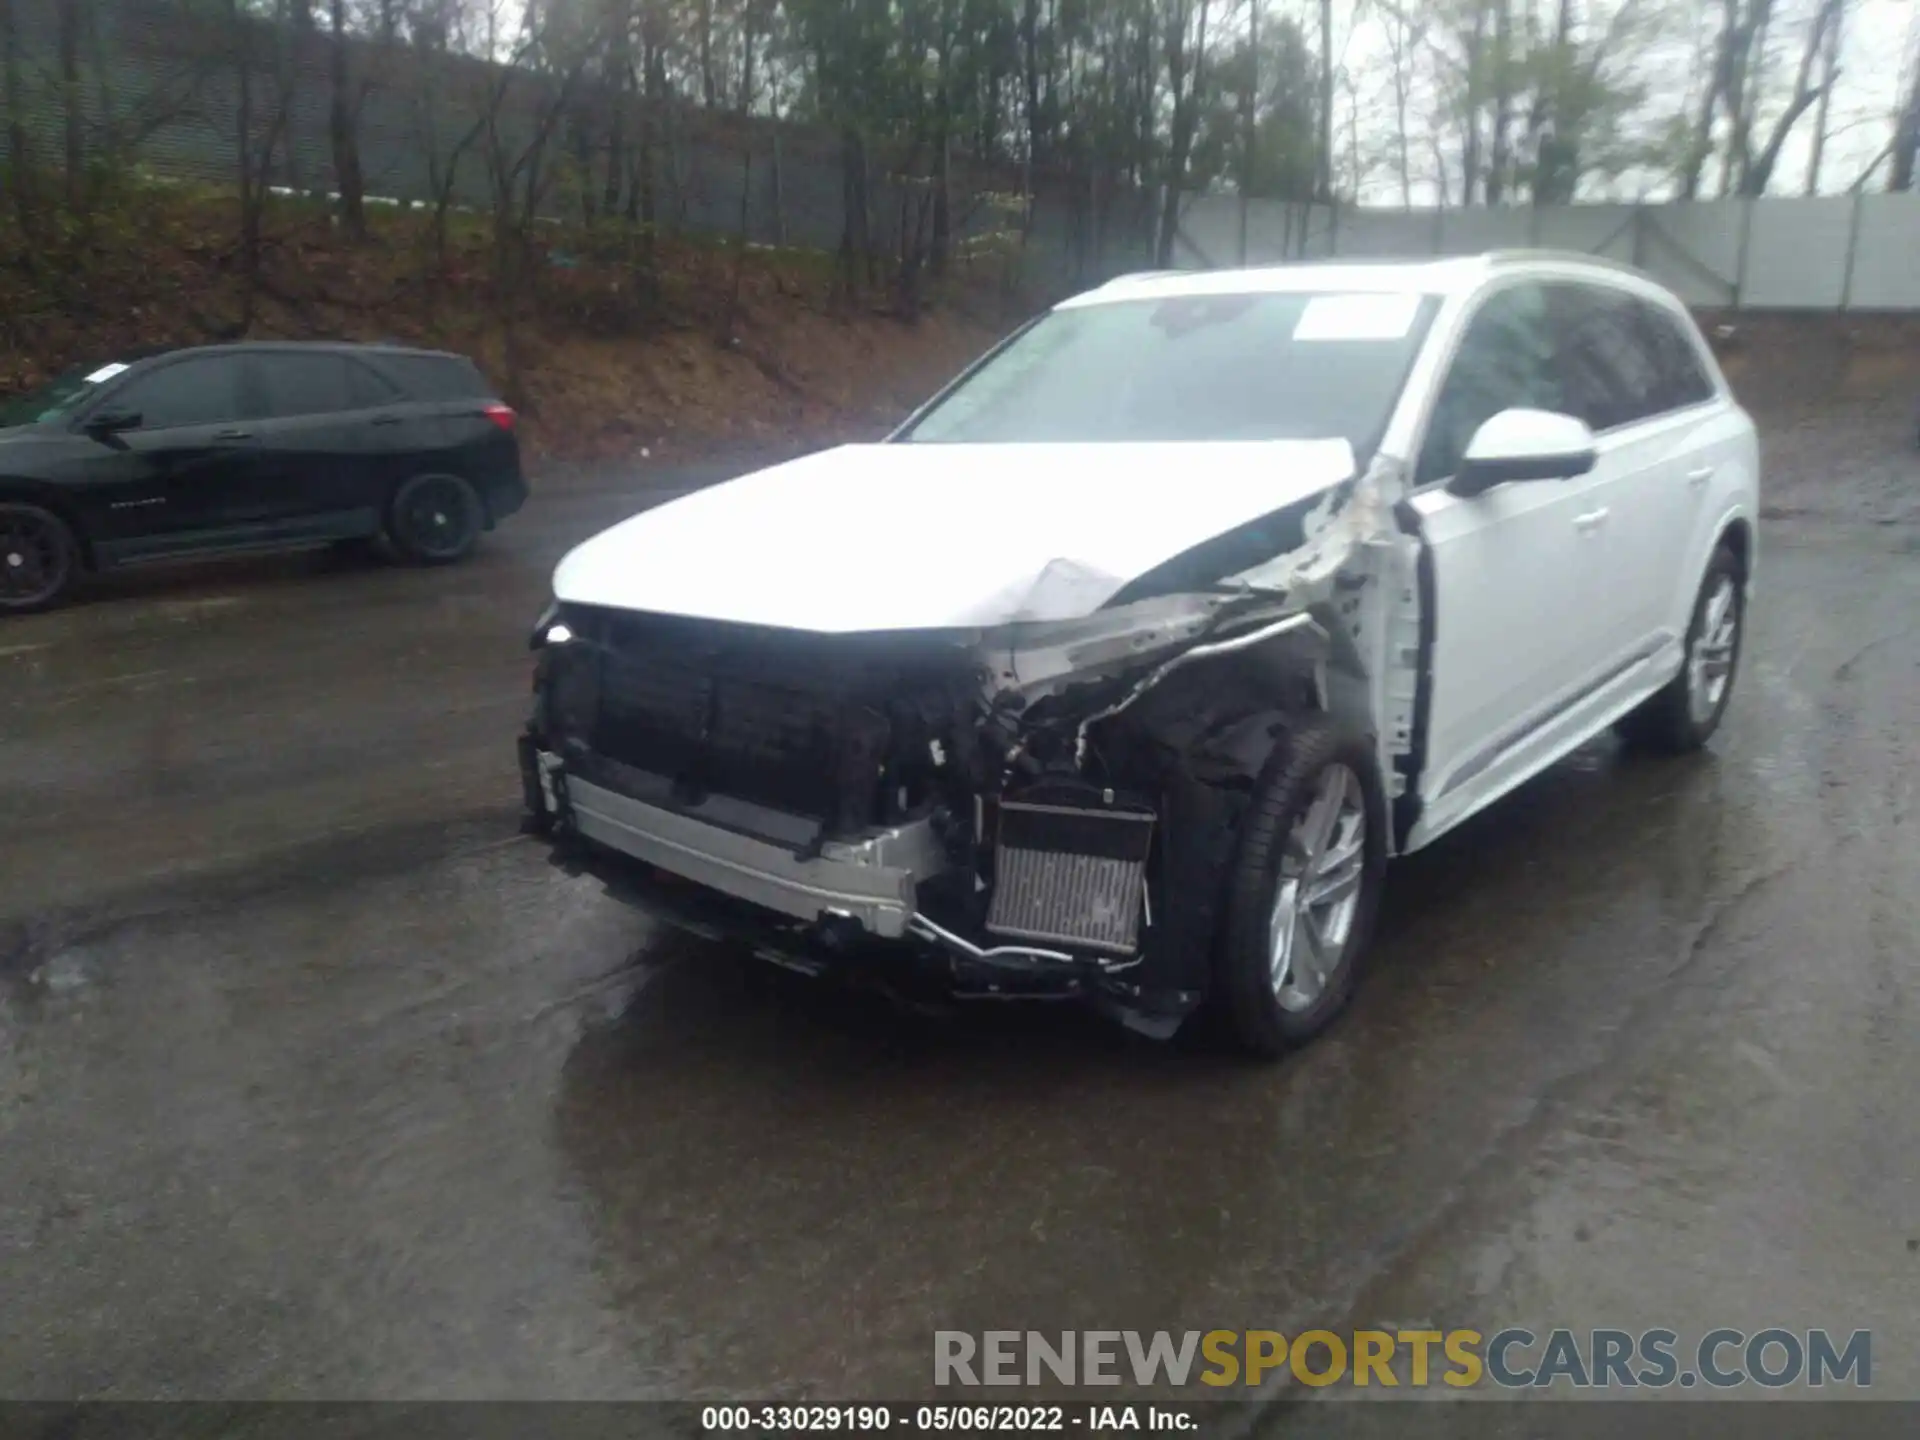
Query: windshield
{"points": [[1300, 366], [60, 396]]}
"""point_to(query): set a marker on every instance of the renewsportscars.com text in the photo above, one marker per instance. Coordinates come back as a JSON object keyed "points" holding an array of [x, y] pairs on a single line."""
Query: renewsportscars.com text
{"points": [[1512, 1358]]}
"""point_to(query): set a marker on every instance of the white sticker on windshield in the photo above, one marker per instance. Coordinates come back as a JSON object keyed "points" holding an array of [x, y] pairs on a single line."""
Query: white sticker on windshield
{"points": [[105, 372], [1357, 317]]}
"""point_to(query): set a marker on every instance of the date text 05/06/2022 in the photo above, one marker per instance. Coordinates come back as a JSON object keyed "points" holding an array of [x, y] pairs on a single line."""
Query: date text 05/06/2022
{"points": [[935, 1419]]}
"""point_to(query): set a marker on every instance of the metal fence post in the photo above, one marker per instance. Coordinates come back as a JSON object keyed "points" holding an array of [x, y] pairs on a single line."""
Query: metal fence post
{"points": [[1853, 249], [1740, 265]]}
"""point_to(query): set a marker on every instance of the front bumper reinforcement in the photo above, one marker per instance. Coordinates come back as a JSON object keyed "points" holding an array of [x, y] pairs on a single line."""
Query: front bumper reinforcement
{"points": [[871, 882]]}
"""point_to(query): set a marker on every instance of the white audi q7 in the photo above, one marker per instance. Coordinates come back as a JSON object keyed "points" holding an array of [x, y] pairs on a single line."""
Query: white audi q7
{"points": [[1125, 665]]}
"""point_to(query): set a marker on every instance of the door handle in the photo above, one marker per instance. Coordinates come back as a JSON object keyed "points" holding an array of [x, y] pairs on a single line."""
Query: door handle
{"points": [[233, 434], [1590, 521], [386, 420], [1700, 475]]}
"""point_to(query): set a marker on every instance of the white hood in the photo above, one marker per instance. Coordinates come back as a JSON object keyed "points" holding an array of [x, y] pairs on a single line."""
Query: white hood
{"points": [[911, 537]]}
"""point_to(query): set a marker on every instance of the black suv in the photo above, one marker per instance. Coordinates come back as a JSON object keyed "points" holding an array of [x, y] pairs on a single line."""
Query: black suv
{"points": [[249, 447]]}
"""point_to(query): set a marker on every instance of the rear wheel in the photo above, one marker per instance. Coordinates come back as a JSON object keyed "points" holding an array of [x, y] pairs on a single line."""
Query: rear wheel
{"points": [[38, 557], [435, 519], [1684, 713], [1305, 888]]}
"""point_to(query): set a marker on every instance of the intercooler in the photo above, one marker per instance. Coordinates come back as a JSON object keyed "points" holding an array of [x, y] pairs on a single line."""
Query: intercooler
{"points": [[1070, 875]]}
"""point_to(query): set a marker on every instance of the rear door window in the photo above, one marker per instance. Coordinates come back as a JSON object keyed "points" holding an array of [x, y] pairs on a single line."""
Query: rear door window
{"points": [[319, 382], [1613, 376], [436, 377], [198, 390], [1683, 378]]}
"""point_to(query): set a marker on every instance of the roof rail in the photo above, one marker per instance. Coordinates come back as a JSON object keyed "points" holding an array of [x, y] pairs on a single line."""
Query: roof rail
{"points": [[1521, 256], [1140, 275]]}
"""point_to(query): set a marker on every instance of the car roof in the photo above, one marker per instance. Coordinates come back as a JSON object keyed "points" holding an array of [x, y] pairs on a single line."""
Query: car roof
{"points": [[246, 347], [1448, 275]]}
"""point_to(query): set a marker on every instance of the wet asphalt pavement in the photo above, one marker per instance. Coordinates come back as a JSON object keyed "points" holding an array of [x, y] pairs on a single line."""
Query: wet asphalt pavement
{"points": [[317, 1080]]}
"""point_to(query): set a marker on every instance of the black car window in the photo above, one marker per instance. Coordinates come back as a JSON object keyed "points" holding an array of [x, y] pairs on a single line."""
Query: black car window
{"points": [[314, 382], [1505, 360], [1683, 379], [367, 389], [1612, 374], [436, 377], [199, 390]]}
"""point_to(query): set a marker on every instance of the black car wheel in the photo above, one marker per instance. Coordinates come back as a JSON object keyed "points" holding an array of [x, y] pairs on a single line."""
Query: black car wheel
{"points": [[435, 519], [38, 557]]}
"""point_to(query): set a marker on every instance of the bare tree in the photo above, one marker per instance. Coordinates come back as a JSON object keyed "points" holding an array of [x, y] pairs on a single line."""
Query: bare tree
{"points": [[1829, 77], [1186, 69], [1756, 171], [74, 16], [343, 126], [19, 176], [1906, 130]]}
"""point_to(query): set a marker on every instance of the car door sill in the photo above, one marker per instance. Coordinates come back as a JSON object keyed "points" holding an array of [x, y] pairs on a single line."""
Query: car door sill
{"points": [[238, 539]]}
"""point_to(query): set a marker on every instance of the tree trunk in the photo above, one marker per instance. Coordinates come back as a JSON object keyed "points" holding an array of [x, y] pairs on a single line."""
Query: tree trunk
{"points": [[341, 130], [942, 239], [706, 55], [1757, 172], [1470, 105], [1829, 72], [1249, 117], [72, 16], [19, 173], [1498, 154], [1718, 70], [1323, 184], [853, 209], [241, 27], [1906, 132]]}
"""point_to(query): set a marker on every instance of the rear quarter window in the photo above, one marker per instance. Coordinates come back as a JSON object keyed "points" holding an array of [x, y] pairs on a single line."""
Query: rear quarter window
{"points": [[436, 377]]}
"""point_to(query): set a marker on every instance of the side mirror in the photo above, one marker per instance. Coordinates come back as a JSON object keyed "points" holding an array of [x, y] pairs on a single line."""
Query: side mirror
{"points": [[1524, 445], [111, 422]]}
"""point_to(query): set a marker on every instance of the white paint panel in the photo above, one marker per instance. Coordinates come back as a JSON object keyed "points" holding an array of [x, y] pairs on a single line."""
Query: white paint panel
{"points": [[1468, 232], [1886, 260], [1591, 229], [1797, 254], [1693, 248]]}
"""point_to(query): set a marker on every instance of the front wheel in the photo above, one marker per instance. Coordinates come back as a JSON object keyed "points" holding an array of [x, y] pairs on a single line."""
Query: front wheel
{"points": [[435, 519], [38, 558], [1305, 888], [1684, 713]]}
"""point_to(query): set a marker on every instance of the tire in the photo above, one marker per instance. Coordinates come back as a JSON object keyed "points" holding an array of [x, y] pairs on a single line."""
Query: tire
{"points": [[1683, 714], [435, 519], [39, 558], [1321, 777]]}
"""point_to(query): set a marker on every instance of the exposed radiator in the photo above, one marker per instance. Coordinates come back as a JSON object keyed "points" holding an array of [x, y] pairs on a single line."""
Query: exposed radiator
{"points": [[1071, 876]]}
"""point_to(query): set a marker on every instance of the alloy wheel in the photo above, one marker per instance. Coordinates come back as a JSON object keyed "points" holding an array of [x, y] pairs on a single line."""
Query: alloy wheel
{"points": [[1710, 666], [437, 516], [1322, 871], [34, 558]]}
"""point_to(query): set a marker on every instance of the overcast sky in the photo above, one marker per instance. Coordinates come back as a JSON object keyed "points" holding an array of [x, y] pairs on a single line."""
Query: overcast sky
{"points": [[1877, 45]]}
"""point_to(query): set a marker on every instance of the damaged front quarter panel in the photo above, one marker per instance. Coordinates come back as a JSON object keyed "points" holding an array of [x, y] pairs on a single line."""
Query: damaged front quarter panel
{"points": [[1175, 701]]}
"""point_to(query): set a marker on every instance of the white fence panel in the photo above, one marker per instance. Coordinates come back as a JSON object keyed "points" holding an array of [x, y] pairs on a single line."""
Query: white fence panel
{"points": [[1385, 234], [1825, 253], [1467, 232], [1797, 254], [1886, 254], [1595, 229], [1693, 248]]}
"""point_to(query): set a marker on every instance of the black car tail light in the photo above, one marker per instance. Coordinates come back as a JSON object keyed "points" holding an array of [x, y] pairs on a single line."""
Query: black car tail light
{"points": [[499, 414]]}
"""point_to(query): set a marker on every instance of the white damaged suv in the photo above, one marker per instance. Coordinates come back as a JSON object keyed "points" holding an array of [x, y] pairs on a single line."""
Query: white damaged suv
{"points": [[1122, 669]]}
